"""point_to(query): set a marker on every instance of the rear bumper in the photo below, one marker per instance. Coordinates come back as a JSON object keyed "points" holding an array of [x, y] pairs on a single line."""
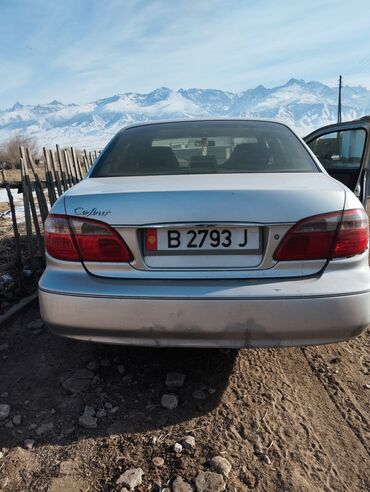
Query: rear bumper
{"points": [[217, 314], [206, 323]]}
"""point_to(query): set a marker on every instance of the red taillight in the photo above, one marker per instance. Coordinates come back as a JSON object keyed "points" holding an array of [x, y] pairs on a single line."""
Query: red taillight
{"points": [[326, 236], [58, 239], [353, 234], [73, 239]]}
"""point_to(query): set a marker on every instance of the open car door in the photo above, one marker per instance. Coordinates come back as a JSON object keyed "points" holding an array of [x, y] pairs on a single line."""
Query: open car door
{"points": [[344, 150]]}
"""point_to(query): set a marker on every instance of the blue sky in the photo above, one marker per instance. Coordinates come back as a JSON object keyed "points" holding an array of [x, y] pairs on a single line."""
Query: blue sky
{"points": [[80, 50]]}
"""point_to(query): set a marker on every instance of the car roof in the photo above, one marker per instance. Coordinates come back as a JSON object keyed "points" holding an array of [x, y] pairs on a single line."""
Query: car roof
{"points": [[195, 120]]}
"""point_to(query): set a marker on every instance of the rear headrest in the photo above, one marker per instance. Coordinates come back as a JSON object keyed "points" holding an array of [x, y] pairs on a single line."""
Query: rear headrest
{"points": [[159, 158], [248, 157]]}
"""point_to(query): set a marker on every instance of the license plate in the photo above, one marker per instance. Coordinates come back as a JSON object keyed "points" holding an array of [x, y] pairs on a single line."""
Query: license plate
{"points": [[198, 240]]}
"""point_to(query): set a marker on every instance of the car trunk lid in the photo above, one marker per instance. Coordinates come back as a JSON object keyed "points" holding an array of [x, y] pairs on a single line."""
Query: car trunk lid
{"points": [[264, 204]]}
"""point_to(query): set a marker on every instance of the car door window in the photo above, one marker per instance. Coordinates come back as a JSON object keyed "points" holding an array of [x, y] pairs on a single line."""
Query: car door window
{"points": [[340, 150], [341, 153]]}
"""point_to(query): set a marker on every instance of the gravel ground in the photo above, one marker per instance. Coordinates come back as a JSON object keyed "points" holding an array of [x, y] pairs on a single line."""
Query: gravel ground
{"points": [[86, 417]]}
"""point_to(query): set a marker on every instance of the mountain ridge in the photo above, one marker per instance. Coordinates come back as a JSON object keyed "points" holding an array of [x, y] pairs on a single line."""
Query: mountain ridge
{"points": [[303, 105]]}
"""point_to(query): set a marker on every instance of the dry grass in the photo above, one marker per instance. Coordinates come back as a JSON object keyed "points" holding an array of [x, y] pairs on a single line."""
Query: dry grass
{"points": [[14, 175]]}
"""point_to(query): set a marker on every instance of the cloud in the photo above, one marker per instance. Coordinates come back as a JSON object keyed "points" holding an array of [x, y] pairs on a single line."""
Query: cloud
{"points": [[83, 50]]}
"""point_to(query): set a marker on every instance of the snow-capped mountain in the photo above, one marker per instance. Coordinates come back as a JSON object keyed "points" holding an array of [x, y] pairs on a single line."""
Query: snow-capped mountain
{"points": [[303, 105]]}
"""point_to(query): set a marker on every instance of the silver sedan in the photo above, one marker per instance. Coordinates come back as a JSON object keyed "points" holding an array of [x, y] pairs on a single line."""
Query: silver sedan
{"points": [[207, 233]]}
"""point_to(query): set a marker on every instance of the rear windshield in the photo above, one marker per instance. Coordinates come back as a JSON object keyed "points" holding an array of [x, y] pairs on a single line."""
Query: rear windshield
{"points": [[204, 147]]}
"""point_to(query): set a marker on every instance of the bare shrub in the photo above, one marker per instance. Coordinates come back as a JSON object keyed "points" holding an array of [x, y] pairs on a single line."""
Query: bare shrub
{"points": [[9, 150]]}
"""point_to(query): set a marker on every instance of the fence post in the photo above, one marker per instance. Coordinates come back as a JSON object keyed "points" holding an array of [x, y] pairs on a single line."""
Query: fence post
{"points": [[43, 206], [85, 164], [67, 161], [64, 180], [86, 160], [75, 166], [80, 168], [49, 178], [17, 239], [72, 163], [56, 173], [27, 216], [28, 191], [91, 158]]}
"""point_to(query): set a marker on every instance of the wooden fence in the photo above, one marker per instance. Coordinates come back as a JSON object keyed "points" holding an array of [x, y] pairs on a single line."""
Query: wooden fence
{"points": [[22, 256]]}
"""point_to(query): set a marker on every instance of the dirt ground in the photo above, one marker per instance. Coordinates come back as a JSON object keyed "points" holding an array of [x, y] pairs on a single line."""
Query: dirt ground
{"points": [[286, 419]]}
